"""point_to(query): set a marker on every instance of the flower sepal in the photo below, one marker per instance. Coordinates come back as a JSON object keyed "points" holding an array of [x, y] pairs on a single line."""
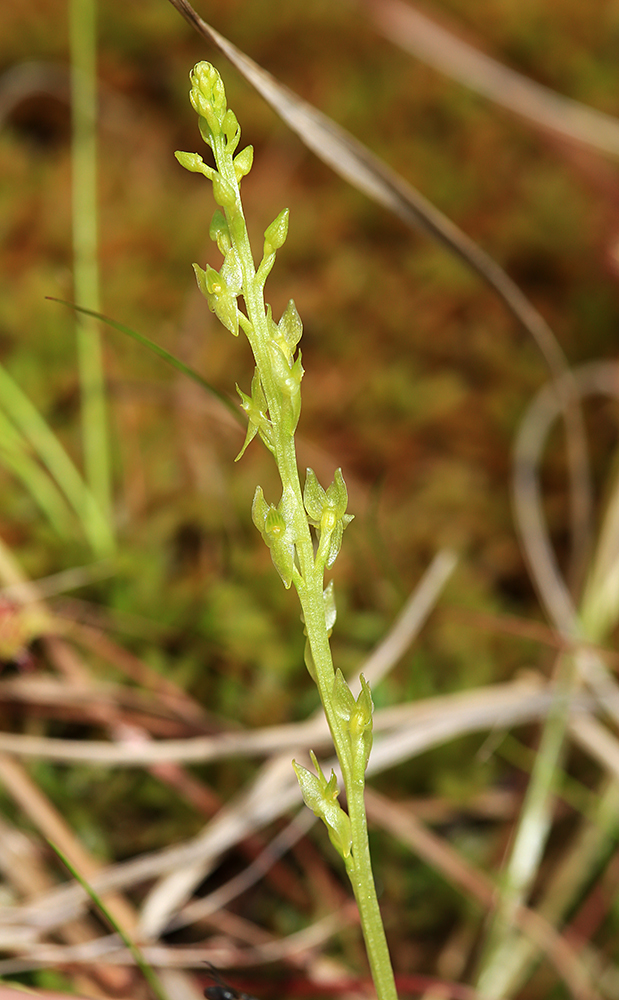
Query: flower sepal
{"points": [[275, 526], [320, 795], [326, 511]]}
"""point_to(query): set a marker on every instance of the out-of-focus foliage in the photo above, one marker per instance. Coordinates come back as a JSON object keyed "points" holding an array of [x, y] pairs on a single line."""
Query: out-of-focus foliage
{"points": [[415, 376]]}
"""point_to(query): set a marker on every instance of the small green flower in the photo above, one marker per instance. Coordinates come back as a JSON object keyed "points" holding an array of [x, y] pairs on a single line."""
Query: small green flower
{"points": [[194, 163], [357, 716], [219, 232], [290, 327], [320, 796], [275, 526], [326, 511], [255, 407], [221, 297]]}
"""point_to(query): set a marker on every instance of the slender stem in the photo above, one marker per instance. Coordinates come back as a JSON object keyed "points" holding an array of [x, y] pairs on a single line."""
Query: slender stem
{"points": [[312, 603], [359, 865], [362, 880], [82, 29]]}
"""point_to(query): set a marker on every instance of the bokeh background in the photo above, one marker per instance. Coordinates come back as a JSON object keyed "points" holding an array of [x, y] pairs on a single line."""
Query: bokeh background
{"points": [[416, 379]]}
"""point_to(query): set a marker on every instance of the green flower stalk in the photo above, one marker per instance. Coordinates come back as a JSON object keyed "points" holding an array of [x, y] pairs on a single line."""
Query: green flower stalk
{"points": [[304, 530]]}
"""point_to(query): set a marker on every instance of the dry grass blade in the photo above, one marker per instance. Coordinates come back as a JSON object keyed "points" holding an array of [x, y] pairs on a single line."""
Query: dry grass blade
{"points": [[417, 726], [409, 622], [530, 519], [18, 784], [163, 902], [428, 41], [364, 170], [505, 705], [271, 793], [599, 608], [598, 741], [176, 956], [599, 605], [199, 909], [169, 896], [441, 856], [583, 856], [507, 957]]}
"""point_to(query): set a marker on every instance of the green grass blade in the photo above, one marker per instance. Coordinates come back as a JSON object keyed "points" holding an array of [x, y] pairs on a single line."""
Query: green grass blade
{"points": [[160, 352], [147, 971], [85, 225], [38, 483], [34, 429]]}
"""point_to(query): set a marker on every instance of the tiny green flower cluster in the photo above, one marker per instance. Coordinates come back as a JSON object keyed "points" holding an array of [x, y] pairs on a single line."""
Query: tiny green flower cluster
{"points": [[273, 407]]}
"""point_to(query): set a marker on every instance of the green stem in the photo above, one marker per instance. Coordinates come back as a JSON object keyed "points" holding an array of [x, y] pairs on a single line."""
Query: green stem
{"points": [[359, 865], [362, 880], [310, 592], [148, 972], [82, 29]]}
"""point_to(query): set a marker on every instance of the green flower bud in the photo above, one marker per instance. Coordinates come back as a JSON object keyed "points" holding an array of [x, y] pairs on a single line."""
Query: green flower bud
{"points": [[314, 497], [275, 234], [223, 193], [290, 326], [259, 509], [194, 163], [231, 130], [343, 698], [337, 494], [208, 96], [274, 238], [243, 162]]}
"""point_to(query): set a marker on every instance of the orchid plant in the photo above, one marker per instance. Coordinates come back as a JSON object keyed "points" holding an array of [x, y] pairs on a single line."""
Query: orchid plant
{"points": [[304, 530]]}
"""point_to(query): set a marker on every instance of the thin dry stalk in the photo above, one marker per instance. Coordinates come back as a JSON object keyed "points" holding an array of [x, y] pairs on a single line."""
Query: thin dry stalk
{"points": [[435, 45]]}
